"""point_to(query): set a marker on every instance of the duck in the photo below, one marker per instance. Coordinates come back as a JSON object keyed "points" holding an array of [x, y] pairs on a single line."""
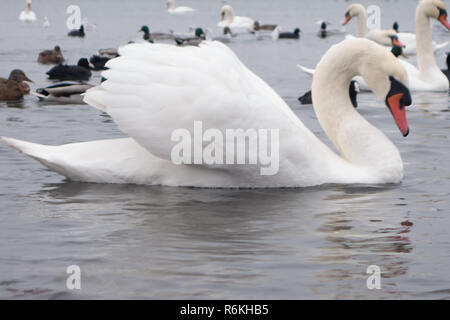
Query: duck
{"points": [[81, 71], [14, 87], [66, 92], [286, 35], [54, 56], [228, 19], [77, 32], [27, 15], [152, 154], [195, 40], [396, 27], [151, 37], [97, 62], [447, 71], [108, 53], [178, 10], [353, 93], [408, 39], [263, 27]]}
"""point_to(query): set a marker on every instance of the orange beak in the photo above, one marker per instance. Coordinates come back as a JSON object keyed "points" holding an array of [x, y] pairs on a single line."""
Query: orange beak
{"points": [[348, 17], [222, 16], [397, 43], [398, 112], [443, 20]]}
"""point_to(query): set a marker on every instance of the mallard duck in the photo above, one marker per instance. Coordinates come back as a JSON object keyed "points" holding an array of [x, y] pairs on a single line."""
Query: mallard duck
{"points": [[265, 27], [14, 87], [191, 41], [353, 92], [154, 35], [63, 92], [51, 56], [77, 33], [108, 53], [98, 62], [67, 72]]}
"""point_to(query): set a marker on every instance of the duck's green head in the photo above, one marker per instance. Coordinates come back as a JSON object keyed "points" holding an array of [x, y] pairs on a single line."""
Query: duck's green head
{"points": [[199, 32], [145, 29]]}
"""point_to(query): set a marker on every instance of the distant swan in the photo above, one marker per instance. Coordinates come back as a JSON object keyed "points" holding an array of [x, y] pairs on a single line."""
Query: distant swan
{"points": [[234, 22], [377, 35], [178, 10], [27, 15], [149, 85]]}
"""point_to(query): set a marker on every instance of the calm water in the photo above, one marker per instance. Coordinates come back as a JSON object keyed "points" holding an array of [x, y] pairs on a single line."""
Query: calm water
{"points": [[157, 242]]}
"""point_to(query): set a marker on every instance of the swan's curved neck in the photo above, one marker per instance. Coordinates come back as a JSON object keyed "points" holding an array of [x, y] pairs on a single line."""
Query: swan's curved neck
{"points": [[361, 17], [425, 52], [170, 4], [230, 15], [359, 142]]}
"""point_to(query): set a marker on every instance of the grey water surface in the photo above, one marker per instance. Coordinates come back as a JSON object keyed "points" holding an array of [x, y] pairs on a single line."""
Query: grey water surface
{"points": [[175, 243]]}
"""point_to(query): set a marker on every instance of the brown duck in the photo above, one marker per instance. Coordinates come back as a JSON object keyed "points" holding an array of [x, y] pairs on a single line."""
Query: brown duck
{"points": [[14, 87], [51, 56]]}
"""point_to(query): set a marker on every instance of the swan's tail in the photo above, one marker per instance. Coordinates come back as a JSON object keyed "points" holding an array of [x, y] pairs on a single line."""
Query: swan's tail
{"points": [[275, 33], [36, 151], [306, 70]]}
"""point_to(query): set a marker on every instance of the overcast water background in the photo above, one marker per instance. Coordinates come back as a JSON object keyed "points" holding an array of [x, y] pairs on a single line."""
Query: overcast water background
{"points": [[176, 243]]}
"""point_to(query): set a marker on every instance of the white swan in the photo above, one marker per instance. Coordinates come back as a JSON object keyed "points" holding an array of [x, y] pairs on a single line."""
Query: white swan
{"points": [[27, 15], [379, 36], [178, 10], [234, 22], [149, 84], [428, 77]]}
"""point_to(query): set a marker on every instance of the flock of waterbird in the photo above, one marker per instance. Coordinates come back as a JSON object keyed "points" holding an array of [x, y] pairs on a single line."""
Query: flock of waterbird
{"points": [[146, 84]]}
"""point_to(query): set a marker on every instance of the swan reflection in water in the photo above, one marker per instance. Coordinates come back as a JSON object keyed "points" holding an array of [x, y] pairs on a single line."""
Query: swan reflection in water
{"points": [[322, 237]]}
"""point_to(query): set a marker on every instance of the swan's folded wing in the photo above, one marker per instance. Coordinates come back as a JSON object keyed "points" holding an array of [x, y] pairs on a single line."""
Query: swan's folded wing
{"points": [[154, 89]]}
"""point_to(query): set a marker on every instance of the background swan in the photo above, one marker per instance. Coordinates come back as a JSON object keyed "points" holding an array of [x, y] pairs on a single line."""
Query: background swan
{"points": [[149, 84], [408, 39], [27, 14], [178, 10], [234, 22], [428, 76]]}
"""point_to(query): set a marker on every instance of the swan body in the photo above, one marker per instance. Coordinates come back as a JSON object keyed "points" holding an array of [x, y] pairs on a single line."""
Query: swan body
{"points": [[27, 15], [408, 39], [149, 84], [178, 10], [234, 22]]}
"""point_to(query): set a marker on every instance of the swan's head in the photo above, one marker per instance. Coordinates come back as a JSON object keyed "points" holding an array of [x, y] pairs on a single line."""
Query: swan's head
{"points": [[395, 41], [388, 79], [434, 9], [353, 11], [226, 12]]}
